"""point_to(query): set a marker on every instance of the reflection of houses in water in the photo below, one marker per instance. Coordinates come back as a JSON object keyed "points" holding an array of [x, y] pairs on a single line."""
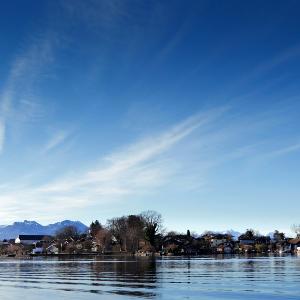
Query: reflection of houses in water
{"points": [[131, 277]]}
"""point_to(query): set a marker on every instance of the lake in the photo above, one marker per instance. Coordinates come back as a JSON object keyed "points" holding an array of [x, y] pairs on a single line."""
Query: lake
{"points": [[119, 278]]}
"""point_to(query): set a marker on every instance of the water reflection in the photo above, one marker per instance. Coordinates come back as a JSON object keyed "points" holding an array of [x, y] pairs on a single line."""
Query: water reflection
{"points": [[132, 277], [120, 278]]}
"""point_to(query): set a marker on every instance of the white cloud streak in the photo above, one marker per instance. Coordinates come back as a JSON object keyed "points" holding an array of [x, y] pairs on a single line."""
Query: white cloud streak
{"points": [[57, 139], [2, 134], [137, 168], [282, 151], [24, 72], [140, 168]]}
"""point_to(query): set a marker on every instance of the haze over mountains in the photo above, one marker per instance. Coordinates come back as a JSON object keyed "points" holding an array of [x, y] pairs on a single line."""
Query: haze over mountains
{"points": [[32, 227]]}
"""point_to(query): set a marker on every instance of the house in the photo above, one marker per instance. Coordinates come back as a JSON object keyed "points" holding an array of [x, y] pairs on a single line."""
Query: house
{"points": [[38, 250], [216, 239], [219, 239], [246, 242], [247, 238], [4, 243], [295, 245], [52, 249], [30, 239], [95, 247], [226, 248], [178, 244], [263, 240]]}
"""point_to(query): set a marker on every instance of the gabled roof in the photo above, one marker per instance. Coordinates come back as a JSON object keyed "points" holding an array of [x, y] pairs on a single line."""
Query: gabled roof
{"points": [[32, 237], [52, 246], [295, 241]]}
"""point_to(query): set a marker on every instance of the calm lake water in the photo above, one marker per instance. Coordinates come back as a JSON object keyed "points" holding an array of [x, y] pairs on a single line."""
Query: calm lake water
{"points": [[146, 278]]}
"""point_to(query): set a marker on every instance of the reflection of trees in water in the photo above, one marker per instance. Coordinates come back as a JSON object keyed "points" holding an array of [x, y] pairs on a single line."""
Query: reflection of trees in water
{"points": [[133, 277], [250, 267], [280, 263]]}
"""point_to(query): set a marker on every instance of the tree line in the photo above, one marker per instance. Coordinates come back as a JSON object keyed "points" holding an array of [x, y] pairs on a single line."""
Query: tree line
{"points": [[128, 232], [142, 231]]}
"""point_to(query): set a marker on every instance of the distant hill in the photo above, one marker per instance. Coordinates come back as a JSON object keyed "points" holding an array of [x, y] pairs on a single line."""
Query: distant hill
{"points": [[32, 227]]}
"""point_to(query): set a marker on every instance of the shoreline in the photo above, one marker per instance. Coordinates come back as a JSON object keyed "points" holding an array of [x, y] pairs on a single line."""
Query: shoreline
{"points": [[155, 255]]}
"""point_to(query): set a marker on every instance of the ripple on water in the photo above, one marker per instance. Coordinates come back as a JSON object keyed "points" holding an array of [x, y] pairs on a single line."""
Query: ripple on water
{"points": [[145, 278]]}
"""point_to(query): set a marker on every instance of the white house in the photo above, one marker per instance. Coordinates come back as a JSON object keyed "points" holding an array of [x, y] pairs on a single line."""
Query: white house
{"points": [[52, 249], [38, 250]]}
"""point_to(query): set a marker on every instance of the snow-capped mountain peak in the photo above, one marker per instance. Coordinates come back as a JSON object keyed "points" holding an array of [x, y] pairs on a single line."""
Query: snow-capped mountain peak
{"points": [[33, 227]]}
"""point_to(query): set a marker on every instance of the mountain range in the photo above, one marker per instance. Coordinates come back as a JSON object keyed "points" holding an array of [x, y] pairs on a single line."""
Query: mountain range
{"points": [[32, 227]]}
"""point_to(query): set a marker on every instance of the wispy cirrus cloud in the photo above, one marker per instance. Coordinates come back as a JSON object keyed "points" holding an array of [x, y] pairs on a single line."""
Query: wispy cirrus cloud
{"points": [[16, 101], [57, 139], [287, 150], [180, 155], [281, 151], [137, 156], [136, 168], [2, 134]]}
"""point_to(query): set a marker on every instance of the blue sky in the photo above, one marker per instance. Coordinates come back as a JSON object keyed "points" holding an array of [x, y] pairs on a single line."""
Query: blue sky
{"points": [[190, 108]]}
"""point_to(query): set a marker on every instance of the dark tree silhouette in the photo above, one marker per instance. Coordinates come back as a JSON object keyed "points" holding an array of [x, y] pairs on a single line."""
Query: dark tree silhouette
{"points": [[95, 227], [278, 236], [248, 235], [135, 226], [153, 225]]}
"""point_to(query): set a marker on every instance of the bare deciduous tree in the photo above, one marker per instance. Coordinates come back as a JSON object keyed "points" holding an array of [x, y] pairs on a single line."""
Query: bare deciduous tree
{"points": [[67, 232], [135, 233], [296, 229], [118, 228], [153, 225], [103, 239]]}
